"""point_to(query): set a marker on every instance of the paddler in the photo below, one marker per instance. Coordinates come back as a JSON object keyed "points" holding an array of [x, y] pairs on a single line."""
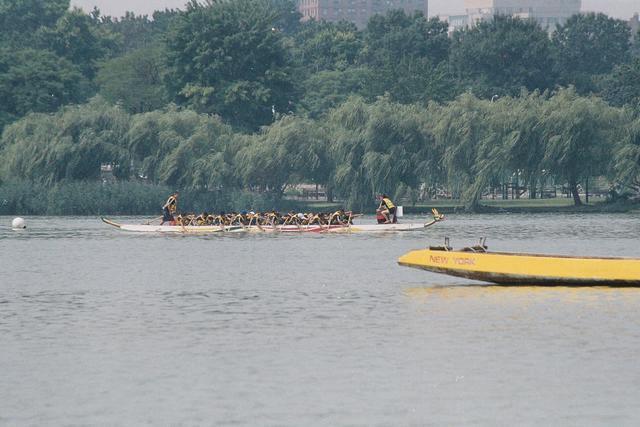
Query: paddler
{"points": [[169, 209], [202, 218], [338, 218], [387, 208]]}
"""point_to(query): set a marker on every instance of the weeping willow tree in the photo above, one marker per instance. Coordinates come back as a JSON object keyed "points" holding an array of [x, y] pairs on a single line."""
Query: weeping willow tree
{"points": [[184, 149], [580, 136], [627, 157], [460, 128], [345, 125], [68, 145], [290, 151], [518, 122], [379, 148]]}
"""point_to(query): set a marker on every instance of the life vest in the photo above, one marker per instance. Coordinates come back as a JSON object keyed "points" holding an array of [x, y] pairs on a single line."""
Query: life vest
{"points": [[171, 204], [388, 203]]}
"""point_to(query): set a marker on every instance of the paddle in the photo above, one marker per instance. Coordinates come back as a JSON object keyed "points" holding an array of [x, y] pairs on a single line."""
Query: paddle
{"points": [[184, 229], [239, 219], [257, 222], [153, 220]]}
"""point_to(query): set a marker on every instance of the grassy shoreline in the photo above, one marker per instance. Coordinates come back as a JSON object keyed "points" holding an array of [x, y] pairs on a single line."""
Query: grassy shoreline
{"points": [[133, 198]]}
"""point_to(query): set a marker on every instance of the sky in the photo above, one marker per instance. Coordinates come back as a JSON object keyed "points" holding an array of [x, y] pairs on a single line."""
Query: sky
{"points": [[617, 8]]}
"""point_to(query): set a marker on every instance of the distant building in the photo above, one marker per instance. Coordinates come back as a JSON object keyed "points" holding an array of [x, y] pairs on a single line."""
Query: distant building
{"points": [[455, 21], [356, 11], [548, 13]]}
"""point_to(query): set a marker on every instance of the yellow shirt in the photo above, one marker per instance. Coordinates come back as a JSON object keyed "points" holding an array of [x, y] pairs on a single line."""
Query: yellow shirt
{"points": [[388, 203]]}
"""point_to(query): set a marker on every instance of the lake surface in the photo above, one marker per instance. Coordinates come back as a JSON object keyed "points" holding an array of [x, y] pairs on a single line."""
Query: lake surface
{"points": [[102, 327]]}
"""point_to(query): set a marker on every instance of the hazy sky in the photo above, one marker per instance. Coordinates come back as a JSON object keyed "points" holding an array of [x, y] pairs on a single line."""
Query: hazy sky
{"points": [[618, 8]]}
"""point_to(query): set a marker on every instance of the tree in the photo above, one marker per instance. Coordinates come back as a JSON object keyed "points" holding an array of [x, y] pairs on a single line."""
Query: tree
{"points": [[137, 31], [228, 58], [328, 89], [78, 37], [461, 133], [290, 151], [588, 45], [68, 145], [502, 56], [396, 36], [20, 19], [517, 121], [627, 157], [37, 81], [406, 52], [321, 46], [580, 134], [622, 86], [135, 80], [379, 148]]}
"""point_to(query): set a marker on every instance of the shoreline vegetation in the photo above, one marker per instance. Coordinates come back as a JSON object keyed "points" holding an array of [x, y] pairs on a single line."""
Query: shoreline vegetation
{"points": [[238, 104], [135, 198]]}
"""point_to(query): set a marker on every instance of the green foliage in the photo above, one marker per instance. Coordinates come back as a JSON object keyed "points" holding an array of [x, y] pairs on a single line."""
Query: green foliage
{"points": [[396, 36], [627, 157], [378, 148], [459, 129], [622, 86], [97, 198], [328, 89], [581, 135], [183, 148], [265, 102], [68, 145], [407, 54], [228, 58], [21, 19], [635, 47], [502, 56], [136, 31], [37, 81], [77, 38], [288, 152], [588, 45], [320, 46], [135, 80]]}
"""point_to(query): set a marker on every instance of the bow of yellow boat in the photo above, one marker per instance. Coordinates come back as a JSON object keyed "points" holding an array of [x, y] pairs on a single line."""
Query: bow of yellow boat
{"points": [[526, 268]]}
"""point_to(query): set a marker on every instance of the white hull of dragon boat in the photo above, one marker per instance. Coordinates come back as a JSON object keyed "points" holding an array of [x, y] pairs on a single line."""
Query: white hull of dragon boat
{"points": [[210, 229]]}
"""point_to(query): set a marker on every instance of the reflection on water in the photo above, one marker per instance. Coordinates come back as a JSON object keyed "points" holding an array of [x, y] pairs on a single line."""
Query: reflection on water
{"points": [[103, 327], [572, 294]]}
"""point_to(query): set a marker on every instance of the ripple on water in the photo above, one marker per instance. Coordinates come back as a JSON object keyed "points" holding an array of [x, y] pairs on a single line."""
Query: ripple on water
{"points": [[101, 327]]}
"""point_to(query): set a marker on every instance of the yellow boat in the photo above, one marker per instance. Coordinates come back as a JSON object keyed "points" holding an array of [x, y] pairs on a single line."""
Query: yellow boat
{"points": [[525, 269]]}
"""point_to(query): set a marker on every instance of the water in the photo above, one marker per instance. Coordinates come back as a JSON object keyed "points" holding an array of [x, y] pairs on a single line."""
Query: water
{"points": [[102, 327]]}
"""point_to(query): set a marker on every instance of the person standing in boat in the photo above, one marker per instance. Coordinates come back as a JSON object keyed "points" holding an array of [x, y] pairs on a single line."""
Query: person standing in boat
{"points": [[387, 208], [169, 209]]}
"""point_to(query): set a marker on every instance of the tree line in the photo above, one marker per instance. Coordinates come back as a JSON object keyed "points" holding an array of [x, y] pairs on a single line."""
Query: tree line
{"points": [[359, 149], [227, 97]]}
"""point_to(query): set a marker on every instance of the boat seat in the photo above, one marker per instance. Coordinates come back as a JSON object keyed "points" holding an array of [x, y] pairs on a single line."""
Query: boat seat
{"points": [[441, 248], [445, 248], [476, 248], [480, 247]]}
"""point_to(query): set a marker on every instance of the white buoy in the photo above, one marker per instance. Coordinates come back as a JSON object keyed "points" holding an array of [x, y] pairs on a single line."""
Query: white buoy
{"points": [[18, 224]]}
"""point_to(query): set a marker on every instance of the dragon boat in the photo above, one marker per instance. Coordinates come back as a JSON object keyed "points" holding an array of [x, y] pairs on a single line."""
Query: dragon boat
{"points": [[505, 268], [334, 228]]}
